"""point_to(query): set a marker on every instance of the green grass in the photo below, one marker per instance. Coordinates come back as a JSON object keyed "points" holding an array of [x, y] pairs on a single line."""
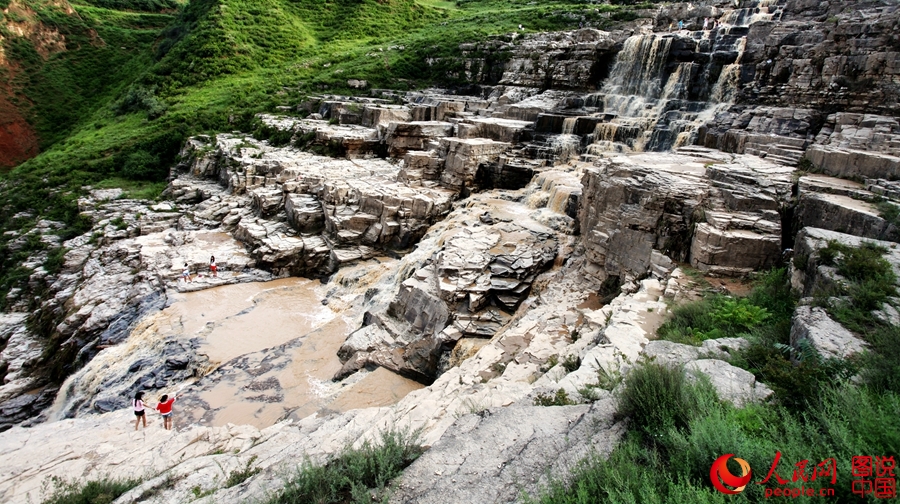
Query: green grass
{"points": [[722, 316], [667, 453], [658, 398], [101, 491], [104, 50], [821, 409], [870, 283], [356, 475], [559, 398]]}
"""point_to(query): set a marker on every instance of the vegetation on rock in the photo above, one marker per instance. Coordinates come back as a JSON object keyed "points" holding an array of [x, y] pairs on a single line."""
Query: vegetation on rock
{"points": [[677, 429], [101, 491], [356, 475]]}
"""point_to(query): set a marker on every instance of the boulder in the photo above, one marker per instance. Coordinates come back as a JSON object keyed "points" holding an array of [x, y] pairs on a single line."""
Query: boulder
{"points": [[827, 337], [402, 137], [732, 384]]}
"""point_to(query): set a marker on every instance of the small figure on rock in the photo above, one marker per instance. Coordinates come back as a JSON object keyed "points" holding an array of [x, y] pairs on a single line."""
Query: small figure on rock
{"points": [[138, 404], [681, 24], [705, 23], [165, 409], [186, 274], [212, 266]]}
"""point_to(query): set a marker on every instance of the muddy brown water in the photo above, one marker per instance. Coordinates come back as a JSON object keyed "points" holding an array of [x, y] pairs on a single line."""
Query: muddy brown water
{"points": [[251, 318]]}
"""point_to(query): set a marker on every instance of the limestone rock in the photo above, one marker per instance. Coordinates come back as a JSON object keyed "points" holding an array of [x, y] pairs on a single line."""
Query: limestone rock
{"points": [[827, 337], [846, 215], [416, 135], [628, 211], [812, 276], [462, 158], [732, 384], [716, 250], [514, 446]]}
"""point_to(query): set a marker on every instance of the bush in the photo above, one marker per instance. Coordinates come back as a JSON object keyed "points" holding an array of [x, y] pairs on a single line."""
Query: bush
{"points": [[238, 476], [55, 260], [560, 398], [881, 365], [675, 466], [355, 475], [657, 398], [139, 98], [716, 316], [101, 491], [141, 165]]}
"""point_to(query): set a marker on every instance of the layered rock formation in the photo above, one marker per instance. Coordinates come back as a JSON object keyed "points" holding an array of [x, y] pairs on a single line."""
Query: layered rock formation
{"points": [[511, 211]]}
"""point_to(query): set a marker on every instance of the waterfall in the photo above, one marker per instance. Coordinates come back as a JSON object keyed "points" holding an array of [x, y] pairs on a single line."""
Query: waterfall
{"points": [[569, 125], [679, 82], [762, 10], [639, 67], [565, 147], [726, 85]]}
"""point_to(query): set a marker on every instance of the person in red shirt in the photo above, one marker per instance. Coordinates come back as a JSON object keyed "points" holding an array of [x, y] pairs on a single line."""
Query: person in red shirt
{"points": [[165, 409]]}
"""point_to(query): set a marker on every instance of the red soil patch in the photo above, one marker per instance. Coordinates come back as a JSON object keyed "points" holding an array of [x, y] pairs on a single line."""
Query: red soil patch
{"points": [[18, 140]]}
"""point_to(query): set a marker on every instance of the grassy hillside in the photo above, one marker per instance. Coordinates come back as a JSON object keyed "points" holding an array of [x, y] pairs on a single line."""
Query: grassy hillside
{"points": [[115, 113]]}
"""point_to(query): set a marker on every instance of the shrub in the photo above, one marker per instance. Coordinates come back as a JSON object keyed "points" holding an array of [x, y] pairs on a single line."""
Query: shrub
{"points": [[560, 398], [716, 316], [657, 398], [55, 260], [881, 365], [238, 476], [141, 165], [571, 362], [101, 491], [355, 475], [675, 466], [139, 98]]}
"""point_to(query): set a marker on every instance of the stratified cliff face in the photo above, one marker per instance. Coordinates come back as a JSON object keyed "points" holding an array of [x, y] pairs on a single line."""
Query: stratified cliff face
{"points": [[577, 162], [826, 56]]}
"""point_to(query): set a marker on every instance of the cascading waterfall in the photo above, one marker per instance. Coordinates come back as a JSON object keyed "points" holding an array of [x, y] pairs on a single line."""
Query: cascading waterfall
{"points": [[655, 100], [763, 10], [564, 147], [661, 88], [639, 67], [723, 91]]}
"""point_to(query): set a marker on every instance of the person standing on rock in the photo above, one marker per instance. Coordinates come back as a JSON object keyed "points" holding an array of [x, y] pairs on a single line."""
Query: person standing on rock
{"points": [[186, 274], [212, 266], [165, 409], [706, 23], [680, 24], [138, 404]]}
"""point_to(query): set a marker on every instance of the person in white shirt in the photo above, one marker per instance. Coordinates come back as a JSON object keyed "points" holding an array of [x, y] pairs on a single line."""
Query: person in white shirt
{"points": [[138, 404]]}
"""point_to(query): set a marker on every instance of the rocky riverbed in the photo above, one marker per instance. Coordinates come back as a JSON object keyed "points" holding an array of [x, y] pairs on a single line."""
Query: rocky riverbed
{"points": [[435, 261]]}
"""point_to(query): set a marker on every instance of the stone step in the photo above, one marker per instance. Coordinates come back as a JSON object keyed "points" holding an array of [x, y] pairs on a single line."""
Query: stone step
{"points": [[782, 160], [818, 183], [844, 214], [757, 140], [786, 151], [752, 151]]}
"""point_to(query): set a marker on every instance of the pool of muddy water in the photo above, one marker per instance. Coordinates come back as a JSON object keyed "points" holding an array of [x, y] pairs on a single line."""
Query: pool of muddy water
{"points": [[260, 323]]}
